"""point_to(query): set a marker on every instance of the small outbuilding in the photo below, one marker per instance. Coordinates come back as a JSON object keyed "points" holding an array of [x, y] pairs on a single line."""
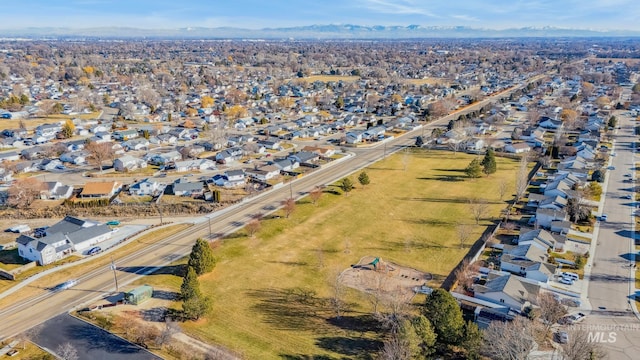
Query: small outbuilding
{"points": [[138, 295]]}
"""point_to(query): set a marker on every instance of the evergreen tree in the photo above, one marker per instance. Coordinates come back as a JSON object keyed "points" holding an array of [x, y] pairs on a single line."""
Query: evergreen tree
{"points": [[346, 185], [474, 170], [444, 313], [489, 162], [363, 178], [201, 258], [419, 141], [472, 340], [190, 287], [196, 307]]}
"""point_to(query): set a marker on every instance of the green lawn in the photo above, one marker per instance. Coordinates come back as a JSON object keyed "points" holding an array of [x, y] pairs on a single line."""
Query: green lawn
{"points": [[270, 292]]}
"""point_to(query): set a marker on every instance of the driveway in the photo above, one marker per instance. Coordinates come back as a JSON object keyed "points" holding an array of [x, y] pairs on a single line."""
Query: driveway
{"points": [[91, 342]]}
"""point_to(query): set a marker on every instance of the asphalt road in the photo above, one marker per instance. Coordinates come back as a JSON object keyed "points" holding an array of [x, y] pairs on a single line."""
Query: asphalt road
{"points": [[91, 342], [609, 286], [100, 282]]}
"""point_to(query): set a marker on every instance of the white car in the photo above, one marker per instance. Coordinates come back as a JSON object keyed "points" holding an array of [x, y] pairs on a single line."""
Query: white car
{"points": [[566, 281], [562, 337]]}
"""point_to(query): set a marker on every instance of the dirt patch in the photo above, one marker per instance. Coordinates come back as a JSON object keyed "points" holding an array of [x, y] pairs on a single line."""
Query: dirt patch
{"points": [[384, 278], [153, 310]]}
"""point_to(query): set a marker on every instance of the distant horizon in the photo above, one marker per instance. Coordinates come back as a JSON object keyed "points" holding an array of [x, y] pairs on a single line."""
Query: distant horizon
{"points": [[592, 15]]}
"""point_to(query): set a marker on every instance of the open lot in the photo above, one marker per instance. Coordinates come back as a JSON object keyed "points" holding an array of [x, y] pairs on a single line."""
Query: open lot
{"points": [[271, 292]]}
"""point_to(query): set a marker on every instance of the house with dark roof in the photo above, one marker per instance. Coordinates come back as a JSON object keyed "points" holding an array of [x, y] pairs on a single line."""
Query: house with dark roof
{"points": [[529, 261], [182, 187], [69, 235]]}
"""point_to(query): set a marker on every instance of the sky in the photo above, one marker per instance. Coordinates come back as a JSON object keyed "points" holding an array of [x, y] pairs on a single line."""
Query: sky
{"points": [[257, 14]]}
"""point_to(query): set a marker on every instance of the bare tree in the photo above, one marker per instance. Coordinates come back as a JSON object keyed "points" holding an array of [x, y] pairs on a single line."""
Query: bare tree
{"points": [[464, 233], [406, 158], [67, 351], [551, 310], [315, 195], [478, 208], [170, 328], [503, 187], [337, 297], [465, 273], [253, 226], [522, 178], [288, 206], [396, 347], [579, 346], [23, 192], [512, 340], [99, 152]]}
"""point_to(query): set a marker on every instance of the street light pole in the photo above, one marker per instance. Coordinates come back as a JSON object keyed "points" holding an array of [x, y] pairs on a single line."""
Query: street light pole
{"points": [[209, 220], [115, 277]]}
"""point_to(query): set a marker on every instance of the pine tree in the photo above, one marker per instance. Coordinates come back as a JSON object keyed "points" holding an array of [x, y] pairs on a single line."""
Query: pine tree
{"points": [[346, 185], [489, 162], [444, 313], [190, 287], [419, 141], [363, 178], [196, 307], [474, 170], [201, 258]]}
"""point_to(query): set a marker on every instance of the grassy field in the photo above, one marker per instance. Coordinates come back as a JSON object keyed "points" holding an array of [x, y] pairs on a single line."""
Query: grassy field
{"points": [[271, 292], [32, 123]]}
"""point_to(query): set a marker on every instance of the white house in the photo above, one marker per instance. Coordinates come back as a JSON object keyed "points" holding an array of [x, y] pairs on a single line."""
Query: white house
{"points": [[128, 163], [264, 173], [197, 165], [55, 190], [529, 261], [518, 148], [65, 237], [145, 187], [544, 217]]}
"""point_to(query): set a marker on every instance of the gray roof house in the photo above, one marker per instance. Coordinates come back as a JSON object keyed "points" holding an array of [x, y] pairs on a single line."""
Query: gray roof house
{"points": [[508, 290], [67, 236]]}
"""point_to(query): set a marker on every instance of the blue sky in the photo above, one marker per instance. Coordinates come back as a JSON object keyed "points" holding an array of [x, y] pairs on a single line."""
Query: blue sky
{"points": [[255, 14]]}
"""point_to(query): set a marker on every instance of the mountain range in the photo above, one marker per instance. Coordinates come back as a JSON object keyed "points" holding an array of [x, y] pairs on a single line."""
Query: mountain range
{"points": [[311, 32]]}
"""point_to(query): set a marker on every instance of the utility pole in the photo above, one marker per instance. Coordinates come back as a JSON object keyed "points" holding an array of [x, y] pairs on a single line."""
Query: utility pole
{"points": [[115, 277], [291, 188], [209, 220]]}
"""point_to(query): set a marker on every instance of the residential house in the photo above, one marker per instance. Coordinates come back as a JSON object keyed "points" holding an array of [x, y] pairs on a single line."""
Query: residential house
{"points": [[553, 202], [287, 164], [145, 187], [75, 157], [48, 130], [517, 148], [183, 187], [270, 144], [124, 135], [5, 175], [195, 165], [304, 157], [544, 217], [235, 178], [541, 238], [164, 158], [549, 123], [529, 261], [263, 173], [229, 155], [100, 189], [354, 137], [324, 152], [55, 190], [9, 156], [129, 163], [508, 290], [63, 238], [475, 144], [136, 144]]}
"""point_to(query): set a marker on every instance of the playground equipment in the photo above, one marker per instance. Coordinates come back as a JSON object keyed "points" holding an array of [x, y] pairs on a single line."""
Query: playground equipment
{"points": [[377, 265]]}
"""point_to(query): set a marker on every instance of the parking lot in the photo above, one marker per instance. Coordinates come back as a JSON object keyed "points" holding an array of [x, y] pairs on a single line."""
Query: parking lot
{"points": [[118, 236], [89, 341]]}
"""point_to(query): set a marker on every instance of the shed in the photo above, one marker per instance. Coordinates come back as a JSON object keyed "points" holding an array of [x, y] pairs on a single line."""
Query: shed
{"points": [[138, 295]]}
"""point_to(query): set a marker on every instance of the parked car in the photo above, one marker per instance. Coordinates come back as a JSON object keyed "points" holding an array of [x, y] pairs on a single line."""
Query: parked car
{"points": [[603, 217], [562, 337], [19, 229], [113, 222], [94, 250], [566, 281], [574, 318], [570, 275]]}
